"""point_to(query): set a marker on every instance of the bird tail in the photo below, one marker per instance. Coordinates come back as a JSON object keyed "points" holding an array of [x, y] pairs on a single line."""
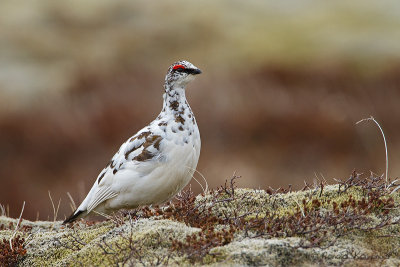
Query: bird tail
{"points": [[74, 216]]}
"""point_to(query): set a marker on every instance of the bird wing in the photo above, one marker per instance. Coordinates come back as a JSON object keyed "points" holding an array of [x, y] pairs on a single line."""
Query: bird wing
{"points": [[102, 194], [134, 155]]}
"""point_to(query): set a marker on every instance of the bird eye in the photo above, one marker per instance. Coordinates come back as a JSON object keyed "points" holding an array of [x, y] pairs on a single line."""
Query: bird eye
{"points": [[179, 68]]}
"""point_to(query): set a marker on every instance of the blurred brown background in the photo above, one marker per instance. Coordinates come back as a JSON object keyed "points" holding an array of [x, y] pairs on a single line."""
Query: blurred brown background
{"points": [[283, 85]]}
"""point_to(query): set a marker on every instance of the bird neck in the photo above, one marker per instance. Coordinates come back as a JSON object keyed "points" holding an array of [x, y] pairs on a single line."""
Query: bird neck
{"points": [[175, 100]]}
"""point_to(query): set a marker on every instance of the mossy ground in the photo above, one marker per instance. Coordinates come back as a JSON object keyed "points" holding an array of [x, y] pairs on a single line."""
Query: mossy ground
{"points": [[355, 222]]}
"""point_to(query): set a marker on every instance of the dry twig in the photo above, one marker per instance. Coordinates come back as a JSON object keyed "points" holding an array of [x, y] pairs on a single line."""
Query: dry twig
{"points": [[384, 140], [16, 227]]}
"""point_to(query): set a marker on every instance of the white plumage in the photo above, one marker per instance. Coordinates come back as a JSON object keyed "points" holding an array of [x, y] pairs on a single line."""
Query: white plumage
{"points": [[156, 163]]}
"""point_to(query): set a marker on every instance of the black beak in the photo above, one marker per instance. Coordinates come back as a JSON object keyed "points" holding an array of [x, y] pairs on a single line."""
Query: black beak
{"points": [[193, 71]]}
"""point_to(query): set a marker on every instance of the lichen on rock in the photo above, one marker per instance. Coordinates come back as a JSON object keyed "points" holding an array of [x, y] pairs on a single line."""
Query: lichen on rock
{"points": [[354, 222]]}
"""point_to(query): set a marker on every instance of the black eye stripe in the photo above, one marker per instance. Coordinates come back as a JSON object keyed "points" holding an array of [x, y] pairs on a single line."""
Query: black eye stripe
{"points": [[189, 71]]}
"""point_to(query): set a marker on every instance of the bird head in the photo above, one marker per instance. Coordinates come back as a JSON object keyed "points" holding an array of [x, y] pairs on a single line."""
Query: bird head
{"points": [[181, 73]]}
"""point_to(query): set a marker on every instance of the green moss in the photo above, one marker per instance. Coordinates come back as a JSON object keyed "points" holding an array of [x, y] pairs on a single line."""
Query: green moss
{"points": [[149, 241]]}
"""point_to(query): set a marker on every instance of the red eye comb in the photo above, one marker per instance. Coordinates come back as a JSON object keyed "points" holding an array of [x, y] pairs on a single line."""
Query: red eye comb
{"points": [[178, 67]]}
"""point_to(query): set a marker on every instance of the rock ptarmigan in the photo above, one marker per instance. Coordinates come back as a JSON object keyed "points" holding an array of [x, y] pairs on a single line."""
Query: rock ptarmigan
{"points": [[157, 162]]}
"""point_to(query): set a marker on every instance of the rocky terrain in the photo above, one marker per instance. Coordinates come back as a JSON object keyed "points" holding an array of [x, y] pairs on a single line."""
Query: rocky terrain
{"points": [[354, 222]]}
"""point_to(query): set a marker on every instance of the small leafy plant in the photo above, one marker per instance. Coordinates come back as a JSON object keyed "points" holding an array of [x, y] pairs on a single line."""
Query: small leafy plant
{"points": [[11, 255]]}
